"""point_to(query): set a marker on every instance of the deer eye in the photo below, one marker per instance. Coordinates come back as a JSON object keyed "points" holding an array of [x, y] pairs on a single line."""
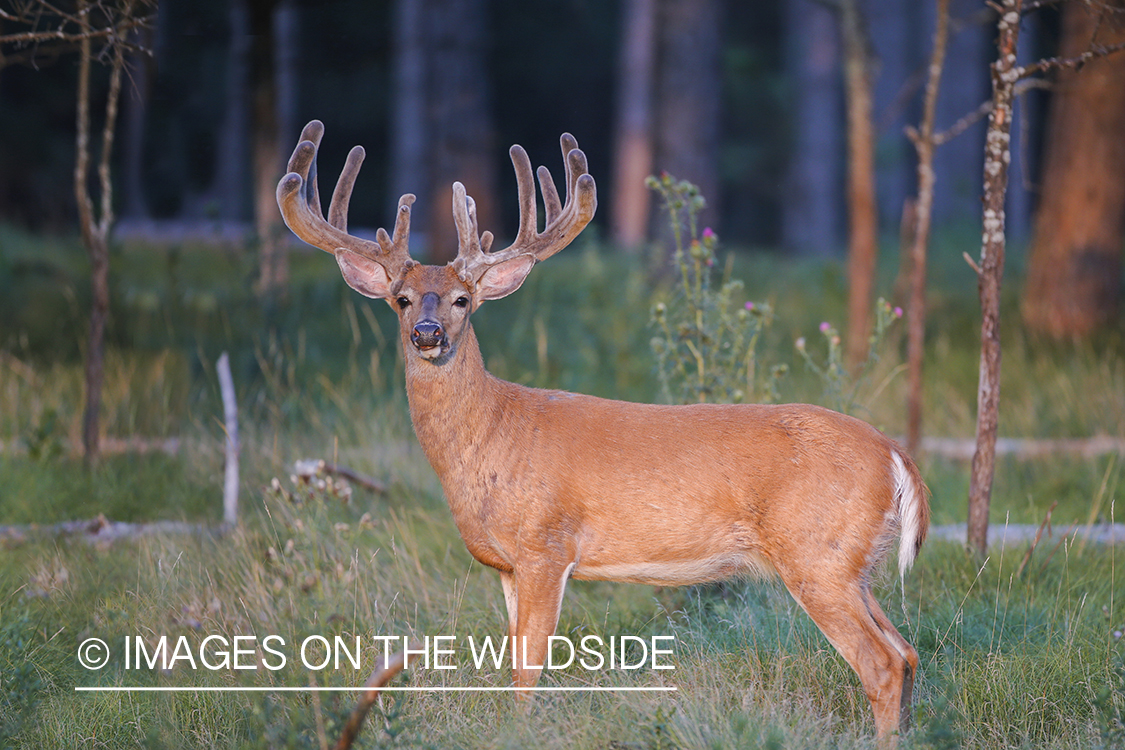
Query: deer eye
{"points": [[402, 303], [461, 302]]}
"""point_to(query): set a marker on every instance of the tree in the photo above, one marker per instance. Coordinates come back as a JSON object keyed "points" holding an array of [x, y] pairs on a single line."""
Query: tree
{"points": [[1074, 271], [688, 95], [632, 134], [441, 126], [668, 108], [863, 217], [110, 24], [925, 142], [271, 29], [1006, 74], [810, 220]]}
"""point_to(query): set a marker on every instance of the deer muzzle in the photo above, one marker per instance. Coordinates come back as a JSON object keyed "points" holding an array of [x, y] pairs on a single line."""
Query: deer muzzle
{"points": [[429, 339]]}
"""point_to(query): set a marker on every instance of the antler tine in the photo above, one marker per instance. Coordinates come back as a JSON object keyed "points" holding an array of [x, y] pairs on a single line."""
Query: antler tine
{"points": [[305, 158], [396, 250], [299, 201], [563, 224], [342, 195], [551, 202], [569, 143], [525, 189], [465, 219], [472, 248]]}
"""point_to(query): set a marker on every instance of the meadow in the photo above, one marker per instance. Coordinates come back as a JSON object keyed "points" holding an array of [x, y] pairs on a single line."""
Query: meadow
{"points": [[1018, 650]]}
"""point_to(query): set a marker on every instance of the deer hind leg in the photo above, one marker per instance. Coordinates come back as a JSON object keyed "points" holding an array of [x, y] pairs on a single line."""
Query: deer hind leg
{"points": [[909, 655], [846, 615], [537, 598], [511, 601]]}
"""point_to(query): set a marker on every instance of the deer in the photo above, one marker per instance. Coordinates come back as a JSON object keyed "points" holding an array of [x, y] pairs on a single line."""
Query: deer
{"points": [[545, 485]]}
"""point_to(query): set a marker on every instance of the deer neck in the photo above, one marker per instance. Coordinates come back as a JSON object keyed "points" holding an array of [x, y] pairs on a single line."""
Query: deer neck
{"points": [[454, 407]]}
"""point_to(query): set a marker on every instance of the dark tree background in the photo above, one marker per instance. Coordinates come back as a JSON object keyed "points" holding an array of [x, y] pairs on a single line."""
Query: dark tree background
{"points": [[745, 98], [726, 106]]}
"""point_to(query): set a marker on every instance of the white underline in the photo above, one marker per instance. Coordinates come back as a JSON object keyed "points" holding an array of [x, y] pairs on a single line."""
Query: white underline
{"points": [[322, 689]]}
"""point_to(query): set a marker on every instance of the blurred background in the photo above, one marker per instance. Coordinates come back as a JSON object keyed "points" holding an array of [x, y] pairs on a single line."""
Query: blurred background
{"points": [[746, 99]]}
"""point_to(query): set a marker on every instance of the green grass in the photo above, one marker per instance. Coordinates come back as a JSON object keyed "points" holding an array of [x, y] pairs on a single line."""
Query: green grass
{"points": [[1007, 660]]}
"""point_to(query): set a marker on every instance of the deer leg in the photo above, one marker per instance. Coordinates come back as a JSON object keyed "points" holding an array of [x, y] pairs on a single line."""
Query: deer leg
{"points": [[539, 591], [511, 602], [904, 649], [844, 615]]}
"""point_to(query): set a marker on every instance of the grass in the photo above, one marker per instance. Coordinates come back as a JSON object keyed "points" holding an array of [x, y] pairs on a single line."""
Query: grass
{"points": [[1007, 660]]}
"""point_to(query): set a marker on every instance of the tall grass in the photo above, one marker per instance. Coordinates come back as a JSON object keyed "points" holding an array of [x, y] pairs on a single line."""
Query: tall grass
{"points": [[1007, 660]]}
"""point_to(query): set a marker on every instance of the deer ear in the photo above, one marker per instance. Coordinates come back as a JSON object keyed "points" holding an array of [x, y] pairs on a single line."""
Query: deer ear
{"points": [[364, 275], [504, 278]]}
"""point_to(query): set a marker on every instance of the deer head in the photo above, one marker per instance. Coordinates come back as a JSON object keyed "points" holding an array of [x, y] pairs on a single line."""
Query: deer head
{"points": [[434, 302]]}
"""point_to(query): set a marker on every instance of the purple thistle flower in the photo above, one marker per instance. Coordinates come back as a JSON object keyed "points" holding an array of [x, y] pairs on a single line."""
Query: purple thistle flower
{"points": [[825, 327]]}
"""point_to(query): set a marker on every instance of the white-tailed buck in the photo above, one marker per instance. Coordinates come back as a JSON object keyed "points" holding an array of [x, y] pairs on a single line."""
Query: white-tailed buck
{"points": [[545, 485]]}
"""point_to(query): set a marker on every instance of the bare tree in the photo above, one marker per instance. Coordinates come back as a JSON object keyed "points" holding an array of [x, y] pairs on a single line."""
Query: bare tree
{"points": [[52, 27], [924, 141], [1006, 74]]}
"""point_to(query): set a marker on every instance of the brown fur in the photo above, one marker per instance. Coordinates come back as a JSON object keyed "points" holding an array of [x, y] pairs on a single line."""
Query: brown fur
{"points": [[546, 485]]}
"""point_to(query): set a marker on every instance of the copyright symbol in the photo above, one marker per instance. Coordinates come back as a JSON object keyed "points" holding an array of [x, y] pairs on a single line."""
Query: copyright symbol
{"points": [[93, 653]]}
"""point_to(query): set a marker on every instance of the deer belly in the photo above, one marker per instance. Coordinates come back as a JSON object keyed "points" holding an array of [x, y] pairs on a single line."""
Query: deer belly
{"points": [[677, 570]]}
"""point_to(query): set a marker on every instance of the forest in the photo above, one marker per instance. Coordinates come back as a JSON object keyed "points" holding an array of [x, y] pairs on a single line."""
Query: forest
{"points": [[205, 437]]}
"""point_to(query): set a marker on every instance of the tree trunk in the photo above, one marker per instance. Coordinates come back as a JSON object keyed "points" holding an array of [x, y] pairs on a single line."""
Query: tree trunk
{"points": [[1074, 272], [924, 144], [689, 95], [633, 138], [997, 154], [273, 261], [232, 159], [409, 123], [460, 119], [95, 228], [863, 221], [810, 222]]}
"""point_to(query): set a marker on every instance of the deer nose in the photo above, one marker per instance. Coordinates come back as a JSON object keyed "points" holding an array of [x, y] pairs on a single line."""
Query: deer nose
{"points": [[426, 334]]}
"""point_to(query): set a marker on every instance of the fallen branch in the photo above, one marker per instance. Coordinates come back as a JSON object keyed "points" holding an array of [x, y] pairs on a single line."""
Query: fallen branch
{"points": [[97, 531], [1028, 448], [384, 673], [1038, 535], [310, 468]]}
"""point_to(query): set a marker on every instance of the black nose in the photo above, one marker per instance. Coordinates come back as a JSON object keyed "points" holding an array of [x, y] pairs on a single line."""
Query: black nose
{"points": [[426, 334]]}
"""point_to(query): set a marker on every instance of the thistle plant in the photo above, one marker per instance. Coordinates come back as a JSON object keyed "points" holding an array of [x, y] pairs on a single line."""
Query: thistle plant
{"points": [[706, 345], [841, 388]]}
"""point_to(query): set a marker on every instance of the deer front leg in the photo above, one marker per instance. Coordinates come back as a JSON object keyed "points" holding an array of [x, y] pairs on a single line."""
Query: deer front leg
{"points": [[535, 596]]}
